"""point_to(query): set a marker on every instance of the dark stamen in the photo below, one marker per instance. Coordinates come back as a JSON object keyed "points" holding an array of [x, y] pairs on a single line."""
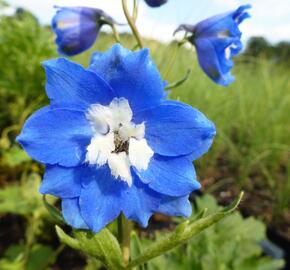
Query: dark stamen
{"points": [[120, 146]]}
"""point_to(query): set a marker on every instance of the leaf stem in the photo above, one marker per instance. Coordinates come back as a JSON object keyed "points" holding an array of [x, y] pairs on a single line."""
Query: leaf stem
{"points": [[132, 24]]}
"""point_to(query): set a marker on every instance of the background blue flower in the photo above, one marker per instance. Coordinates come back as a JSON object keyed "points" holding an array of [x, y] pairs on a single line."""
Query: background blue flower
{"points": [[61, 134], [217, 40], [77, 28], [155, 3]]}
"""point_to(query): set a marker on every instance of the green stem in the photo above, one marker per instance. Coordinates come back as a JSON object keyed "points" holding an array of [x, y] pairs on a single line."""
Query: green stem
{"points": [[124, 231], [174, 56], [115, 33], [135, 11], [132, 24], [180, 82], [172, 61]]}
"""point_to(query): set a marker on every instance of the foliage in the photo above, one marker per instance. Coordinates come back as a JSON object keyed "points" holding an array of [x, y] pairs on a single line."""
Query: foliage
{"points": [[24, 45], [24, 199], [231, 244], [39, 257], [260, 47], [104, 246]]}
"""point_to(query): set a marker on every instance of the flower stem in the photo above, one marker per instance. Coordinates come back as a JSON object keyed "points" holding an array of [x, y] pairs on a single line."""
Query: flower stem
{"points": [[124, 231], [135, 11], [115, 33], [173, 59], [132, 24]]}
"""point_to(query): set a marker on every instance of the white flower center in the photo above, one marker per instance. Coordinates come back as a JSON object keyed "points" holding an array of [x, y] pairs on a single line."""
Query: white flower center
{"points": [[117, 141]]}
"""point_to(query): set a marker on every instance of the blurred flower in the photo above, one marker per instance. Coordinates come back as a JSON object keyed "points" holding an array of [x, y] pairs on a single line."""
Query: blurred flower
{"points": [[217, 40], [77, 28], [111, 142], [155, 3]]}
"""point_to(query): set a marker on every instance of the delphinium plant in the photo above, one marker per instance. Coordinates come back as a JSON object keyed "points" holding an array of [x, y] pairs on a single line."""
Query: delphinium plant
{"points": [[115, 147]]}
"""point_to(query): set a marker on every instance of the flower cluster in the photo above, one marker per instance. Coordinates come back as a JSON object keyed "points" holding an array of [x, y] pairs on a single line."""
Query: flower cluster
{"points": [[216, 39], [113, 143]]}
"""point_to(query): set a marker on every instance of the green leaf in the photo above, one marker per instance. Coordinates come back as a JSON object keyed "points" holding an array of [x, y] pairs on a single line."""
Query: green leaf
{"points": [[93, 264], [39, 257], [66, 239], [102, 246], [183, 233], [231, 244]]}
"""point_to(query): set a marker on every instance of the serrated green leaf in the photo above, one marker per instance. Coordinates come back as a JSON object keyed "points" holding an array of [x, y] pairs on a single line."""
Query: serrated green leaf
{"points": [[183, 233], [102, 246]]}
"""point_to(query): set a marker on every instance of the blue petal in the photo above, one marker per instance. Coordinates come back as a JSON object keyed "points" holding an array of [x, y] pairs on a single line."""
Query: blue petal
{"points": [[170, 176], [155, 3], [76, 28], [61, 182], [132, 75], [175, 206], [56, 137], [100, 199], [70, 85], [210, 61], [71, 213], [226, 23], [139, 202], [174, 129]]}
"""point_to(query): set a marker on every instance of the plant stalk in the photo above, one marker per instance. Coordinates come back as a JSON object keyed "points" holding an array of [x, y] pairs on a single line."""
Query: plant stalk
{"points": [[132, 24], [115, 33], [124, 231]]}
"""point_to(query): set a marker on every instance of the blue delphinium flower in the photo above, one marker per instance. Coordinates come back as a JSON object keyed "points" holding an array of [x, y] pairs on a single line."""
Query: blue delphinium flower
{"points": [[77, 28], [217, 40], [155, 3], [112, 143]]}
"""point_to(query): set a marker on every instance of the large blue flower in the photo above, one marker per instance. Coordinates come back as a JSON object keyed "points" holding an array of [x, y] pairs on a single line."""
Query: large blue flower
{"points": [[155, 3], [112, 143], [217, 40], [77, 28]]}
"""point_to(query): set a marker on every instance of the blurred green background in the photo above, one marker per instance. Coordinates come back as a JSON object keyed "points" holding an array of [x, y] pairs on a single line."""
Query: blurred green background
{"points": [[251, 151]]}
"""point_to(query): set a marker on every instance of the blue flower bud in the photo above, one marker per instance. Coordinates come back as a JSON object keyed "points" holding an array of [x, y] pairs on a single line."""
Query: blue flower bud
{"points": [[217, 40], [77, 28], [155, 3]]}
